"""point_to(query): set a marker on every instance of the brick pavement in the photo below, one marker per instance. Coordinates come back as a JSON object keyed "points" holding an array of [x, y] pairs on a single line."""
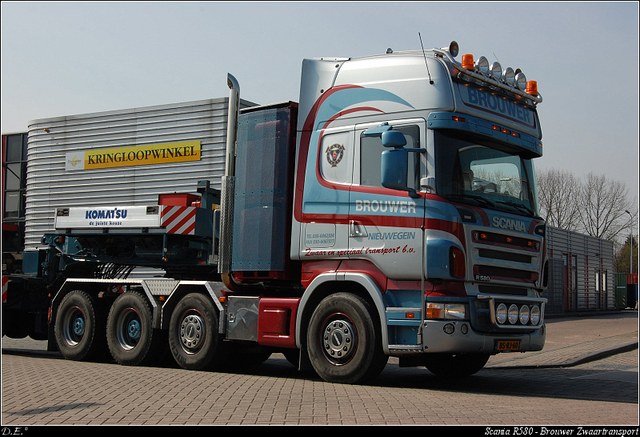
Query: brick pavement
{"points": [[40, 392]]}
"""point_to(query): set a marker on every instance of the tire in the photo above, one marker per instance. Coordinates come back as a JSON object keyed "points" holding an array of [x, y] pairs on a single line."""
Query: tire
{"points": [[80, 327], [130, 335], [193, 334], [455, 365], [343, 341]]}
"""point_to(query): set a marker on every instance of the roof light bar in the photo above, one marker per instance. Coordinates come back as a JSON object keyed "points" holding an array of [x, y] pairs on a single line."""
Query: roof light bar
{"points": [[482, 73]]}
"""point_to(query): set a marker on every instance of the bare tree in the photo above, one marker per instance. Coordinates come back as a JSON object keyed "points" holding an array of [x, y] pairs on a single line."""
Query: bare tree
{"points": [[558, 192], [604, 202], [595, 206]]}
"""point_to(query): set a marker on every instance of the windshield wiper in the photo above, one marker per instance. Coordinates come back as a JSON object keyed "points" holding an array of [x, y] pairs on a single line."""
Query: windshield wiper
{"points": [[520, 207], [479, 199]]}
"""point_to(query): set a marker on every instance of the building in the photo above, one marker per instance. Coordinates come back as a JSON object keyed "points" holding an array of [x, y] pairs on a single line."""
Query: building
{"points": [[581, 275]]}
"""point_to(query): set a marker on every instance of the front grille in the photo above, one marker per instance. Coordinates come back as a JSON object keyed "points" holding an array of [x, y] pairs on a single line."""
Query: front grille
{"points": [[491, 289], [504, 256], [505, 259], [506, 274]]}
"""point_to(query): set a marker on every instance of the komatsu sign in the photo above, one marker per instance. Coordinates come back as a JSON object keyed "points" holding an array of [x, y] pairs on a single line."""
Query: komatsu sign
{"points": [[393, 211]]}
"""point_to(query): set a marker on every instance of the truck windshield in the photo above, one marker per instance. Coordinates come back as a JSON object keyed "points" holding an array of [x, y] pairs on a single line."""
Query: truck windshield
{"points": [[483, 173]]}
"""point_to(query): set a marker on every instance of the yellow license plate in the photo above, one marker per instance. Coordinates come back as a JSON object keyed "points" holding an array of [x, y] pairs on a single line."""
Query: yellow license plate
{"points": [[507, 345]]}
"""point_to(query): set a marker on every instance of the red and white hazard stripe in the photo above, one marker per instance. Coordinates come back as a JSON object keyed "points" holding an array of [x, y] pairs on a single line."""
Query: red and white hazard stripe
{"points": [[178, 219], [5, 287]]}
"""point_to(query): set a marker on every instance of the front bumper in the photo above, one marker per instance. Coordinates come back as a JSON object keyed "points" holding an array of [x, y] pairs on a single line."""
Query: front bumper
{"points": [[459, 337], [482, 332]]}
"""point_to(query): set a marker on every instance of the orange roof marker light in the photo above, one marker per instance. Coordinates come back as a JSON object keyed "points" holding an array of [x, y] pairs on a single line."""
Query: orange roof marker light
{"points": [[532, 88], [467, 62]]}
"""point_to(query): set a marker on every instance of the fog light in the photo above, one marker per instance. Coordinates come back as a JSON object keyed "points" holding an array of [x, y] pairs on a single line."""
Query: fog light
{"points": [[513, 314], [524, 314], [535, 315], [501, 313], [448, 328], [464, 328]]}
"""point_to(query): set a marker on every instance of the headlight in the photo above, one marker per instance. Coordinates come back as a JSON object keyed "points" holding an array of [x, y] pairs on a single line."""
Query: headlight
{"points": [[535, 315], [452, 311], [455, 311], [513, 314], [524, 314], [501, 313]]}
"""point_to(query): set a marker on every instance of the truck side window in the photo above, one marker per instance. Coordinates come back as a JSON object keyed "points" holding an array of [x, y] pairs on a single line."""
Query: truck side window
{"points": [[371, 149]]}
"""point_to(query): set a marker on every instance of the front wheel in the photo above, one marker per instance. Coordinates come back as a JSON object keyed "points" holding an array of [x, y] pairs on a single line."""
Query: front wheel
{"points": [[455, 365], [343, 341]]}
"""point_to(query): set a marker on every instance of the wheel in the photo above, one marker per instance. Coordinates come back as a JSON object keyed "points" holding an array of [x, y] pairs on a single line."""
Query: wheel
{"points": [[130, 335], [455, 365], [343, 341], [193, 333], [80, 327]]}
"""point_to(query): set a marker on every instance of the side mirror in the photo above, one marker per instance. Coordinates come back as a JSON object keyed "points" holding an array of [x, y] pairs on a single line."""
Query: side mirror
{"points": [[393, 138], [393, 168]]}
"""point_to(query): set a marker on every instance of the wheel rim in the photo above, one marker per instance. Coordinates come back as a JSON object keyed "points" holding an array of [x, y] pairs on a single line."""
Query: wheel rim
{"points": [[74, 326], [339, 340], [192, 332], [128, 329]]}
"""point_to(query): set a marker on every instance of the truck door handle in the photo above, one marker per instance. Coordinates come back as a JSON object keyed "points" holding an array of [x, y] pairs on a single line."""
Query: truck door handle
{"points": [[357, 229]]}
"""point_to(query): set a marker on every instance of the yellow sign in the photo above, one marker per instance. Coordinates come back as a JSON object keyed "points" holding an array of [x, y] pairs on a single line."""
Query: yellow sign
{"points": [[137, 155]]}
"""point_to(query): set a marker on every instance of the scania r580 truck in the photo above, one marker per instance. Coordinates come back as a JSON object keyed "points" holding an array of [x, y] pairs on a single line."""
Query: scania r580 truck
{"points": [[391, 212]]}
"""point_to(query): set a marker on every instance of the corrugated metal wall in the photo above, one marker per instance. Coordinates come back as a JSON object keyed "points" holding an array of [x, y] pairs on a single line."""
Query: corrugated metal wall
{"points": [[49, 185], [588, 283]]}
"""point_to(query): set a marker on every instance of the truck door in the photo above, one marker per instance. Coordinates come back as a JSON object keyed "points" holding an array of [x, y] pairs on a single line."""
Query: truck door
{"points": [[385, 225], [326, 233]]}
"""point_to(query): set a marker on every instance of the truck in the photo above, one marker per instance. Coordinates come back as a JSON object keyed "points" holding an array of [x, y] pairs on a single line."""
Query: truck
{"points": [[391, 212]]}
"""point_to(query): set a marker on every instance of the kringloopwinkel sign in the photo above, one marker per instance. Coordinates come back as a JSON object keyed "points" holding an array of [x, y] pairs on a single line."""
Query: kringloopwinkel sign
{"points": [[133, 155]]}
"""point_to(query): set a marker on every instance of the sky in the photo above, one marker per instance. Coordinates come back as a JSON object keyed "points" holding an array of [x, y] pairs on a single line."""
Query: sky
{"points": [[65, 58]]}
